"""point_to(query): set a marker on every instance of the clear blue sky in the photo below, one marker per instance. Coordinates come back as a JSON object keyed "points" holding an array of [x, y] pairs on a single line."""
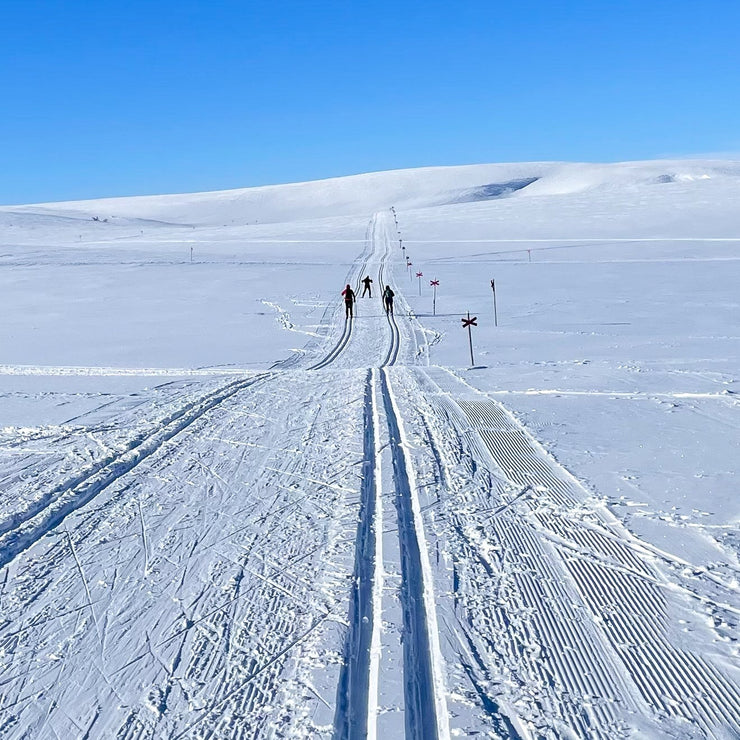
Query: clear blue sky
{"points": [[116, 98]]}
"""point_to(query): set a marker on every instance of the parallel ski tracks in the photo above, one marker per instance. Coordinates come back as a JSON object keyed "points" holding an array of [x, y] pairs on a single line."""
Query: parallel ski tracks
{"points": [[359, 269], [425, 703], [395, 336], [26, 528], [357, 695], [338, 348], [372, 248]]}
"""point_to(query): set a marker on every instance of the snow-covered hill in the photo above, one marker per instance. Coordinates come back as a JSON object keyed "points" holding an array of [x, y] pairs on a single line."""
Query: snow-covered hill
{"points": [[228, 512], [405, 189]]}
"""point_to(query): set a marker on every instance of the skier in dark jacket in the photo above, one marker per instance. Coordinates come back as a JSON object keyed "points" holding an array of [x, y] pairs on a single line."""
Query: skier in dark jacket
{"points": [[367, 289], [349, 301], [388, 299]]}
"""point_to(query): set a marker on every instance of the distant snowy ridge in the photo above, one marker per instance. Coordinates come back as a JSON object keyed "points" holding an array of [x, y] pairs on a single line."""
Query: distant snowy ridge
{"points": [[407, 189]]}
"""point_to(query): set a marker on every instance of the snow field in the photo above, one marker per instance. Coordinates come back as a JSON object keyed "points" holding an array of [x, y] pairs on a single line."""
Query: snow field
{"points": [[366, 537]]}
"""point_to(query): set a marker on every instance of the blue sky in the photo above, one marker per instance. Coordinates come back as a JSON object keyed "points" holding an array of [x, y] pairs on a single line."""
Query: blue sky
{"points": [[114, 98]]}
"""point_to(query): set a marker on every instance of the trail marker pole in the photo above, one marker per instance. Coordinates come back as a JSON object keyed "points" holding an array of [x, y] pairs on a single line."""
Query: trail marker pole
{"points": [[529, 254], [495, 311], [434, 284], [408, 267], [467, 323], [191, 255], [419, 275]]}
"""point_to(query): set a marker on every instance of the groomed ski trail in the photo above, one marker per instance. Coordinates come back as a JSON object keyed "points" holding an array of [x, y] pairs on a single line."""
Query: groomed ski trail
{"points": [[357, 695], [371, 338], [426, 707], [549, 591], [349, 545]]}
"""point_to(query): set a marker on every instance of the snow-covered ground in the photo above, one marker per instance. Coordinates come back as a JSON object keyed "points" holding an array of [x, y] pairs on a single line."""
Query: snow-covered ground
{"points": [[226, 512]]}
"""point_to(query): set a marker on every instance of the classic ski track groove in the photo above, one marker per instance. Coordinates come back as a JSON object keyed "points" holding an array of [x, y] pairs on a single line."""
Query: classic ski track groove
{"points": [[356, 708], [395, 341], [356, 273], [425, 703]]}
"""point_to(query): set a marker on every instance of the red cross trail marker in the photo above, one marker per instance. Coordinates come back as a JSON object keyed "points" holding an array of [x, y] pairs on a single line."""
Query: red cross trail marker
{"points": [[434, 284], [419, 275], [467, 323]]}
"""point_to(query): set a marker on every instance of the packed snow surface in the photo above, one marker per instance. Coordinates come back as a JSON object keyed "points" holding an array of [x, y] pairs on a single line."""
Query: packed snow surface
{"points": [[229, 512]]}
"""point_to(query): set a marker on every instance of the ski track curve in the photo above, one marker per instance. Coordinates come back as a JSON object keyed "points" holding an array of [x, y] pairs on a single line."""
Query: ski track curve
{"points": [[355, 276], [395, 335]]}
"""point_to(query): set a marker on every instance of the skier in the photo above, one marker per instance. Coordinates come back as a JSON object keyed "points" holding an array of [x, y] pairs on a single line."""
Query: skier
{"points": [[388, 299], [367, 289], [349, 300]]}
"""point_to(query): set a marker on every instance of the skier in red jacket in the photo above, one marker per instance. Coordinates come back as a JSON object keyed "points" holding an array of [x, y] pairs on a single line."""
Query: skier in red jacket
{"points": [[388, 299], [349, 301]]}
